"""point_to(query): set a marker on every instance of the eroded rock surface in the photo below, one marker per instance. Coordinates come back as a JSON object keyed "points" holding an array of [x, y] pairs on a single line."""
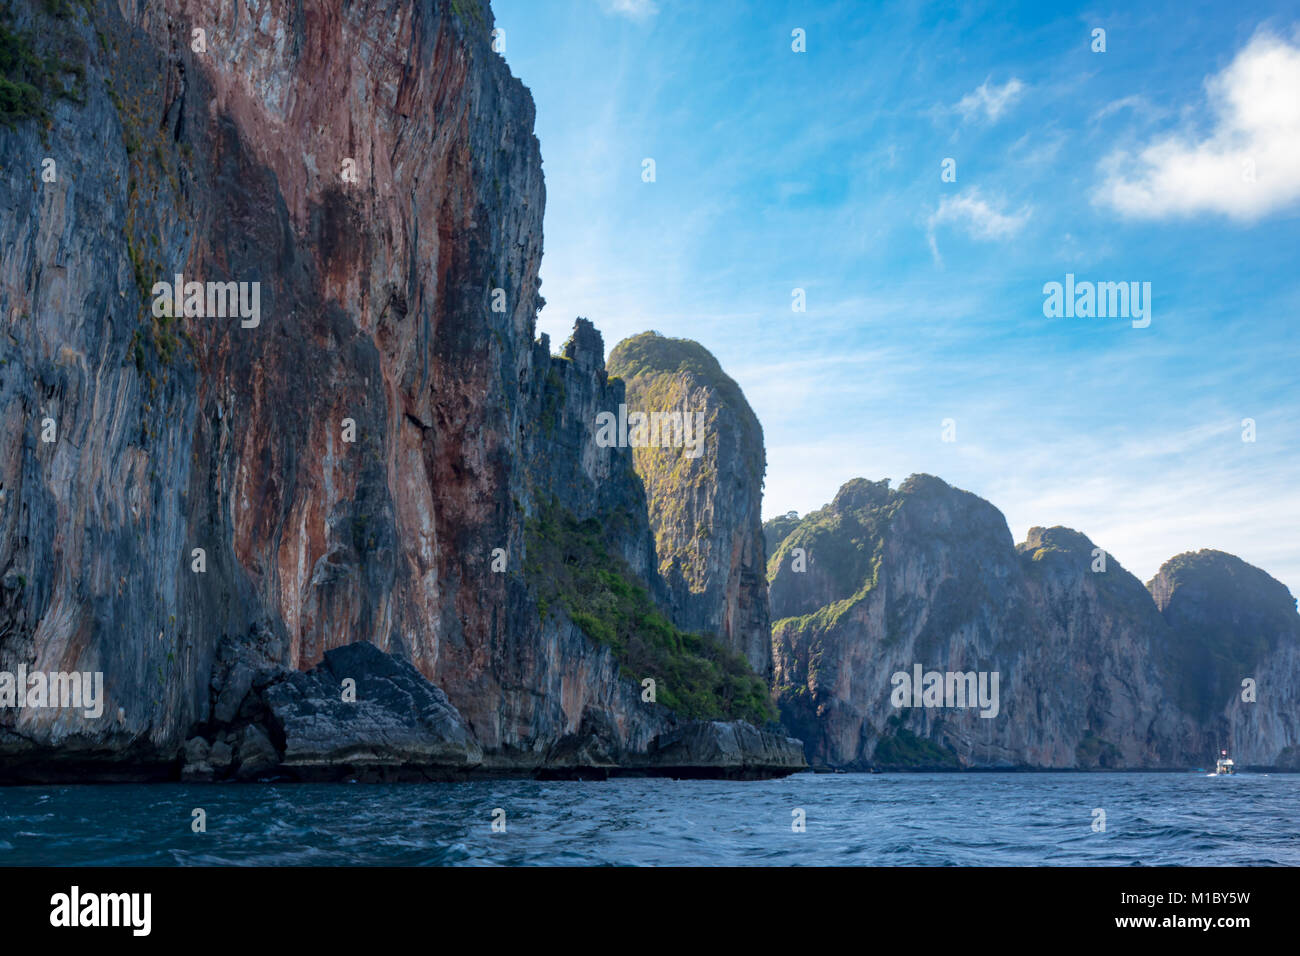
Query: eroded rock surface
{"points": [[362, 714], [225, 500], [1093, 672], [730, 749], [705, 492]]}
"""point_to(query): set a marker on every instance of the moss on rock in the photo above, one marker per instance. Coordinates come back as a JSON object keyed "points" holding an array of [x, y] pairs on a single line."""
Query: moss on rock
{"points": [[570, 566]]}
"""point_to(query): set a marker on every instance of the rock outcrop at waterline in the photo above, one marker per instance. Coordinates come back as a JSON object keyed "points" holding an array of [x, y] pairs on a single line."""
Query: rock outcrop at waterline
{"points": [[705, 492], [362, 462], [1093, 673], [362, 714]]}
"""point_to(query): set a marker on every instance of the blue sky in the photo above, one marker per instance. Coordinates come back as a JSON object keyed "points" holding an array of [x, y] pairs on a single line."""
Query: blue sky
{"points": [[1172, 158]]}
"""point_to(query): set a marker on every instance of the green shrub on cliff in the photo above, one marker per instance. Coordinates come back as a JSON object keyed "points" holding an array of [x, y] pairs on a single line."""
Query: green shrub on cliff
{"points": [[569, 565], [905, 750], [847, 536], [776, 530], [660, 355], [664, 374], [28, 80]]}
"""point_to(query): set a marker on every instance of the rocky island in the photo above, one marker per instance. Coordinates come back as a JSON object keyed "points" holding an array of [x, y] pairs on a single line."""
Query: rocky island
{"points": [[1096, 671], [388, 478], [361, 523]]}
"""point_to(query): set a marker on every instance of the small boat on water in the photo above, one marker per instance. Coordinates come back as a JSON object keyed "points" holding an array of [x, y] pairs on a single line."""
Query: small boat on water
{"points": [[1224, 765]]}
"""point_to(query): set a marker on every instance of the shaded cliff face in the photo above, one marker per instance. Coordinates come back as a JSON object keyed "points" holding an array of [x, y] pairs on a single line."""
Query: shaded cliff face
{"points": [[705, 498], [1099, 623], [1087, 664], [351, 461], [1229, 623], [775, 530]]}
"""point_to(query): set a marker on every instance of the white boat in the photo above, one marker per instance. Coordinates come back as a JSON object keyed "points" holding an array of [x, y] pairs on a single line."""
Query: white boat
{"points": [[1224, 765]]}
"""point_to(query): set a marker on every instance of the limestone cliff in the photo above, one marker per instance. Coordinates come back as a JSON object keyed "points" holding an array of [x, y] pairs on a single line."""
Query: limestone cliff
{"points": [[191, 496], [706, 500], [1230, 623], [1090, 672]]}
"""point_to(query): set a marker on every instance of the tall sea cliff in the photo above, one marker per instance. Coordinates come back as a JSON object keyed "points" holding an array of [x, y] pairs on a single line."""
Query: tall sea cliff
{"points": [[1095, 671], [225, 500], [285, 460]]}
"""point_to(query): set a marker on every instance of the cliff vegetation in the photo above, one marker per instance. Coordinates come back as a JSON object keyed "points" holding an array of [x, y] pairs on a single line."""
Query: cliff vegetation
{"points": [[570, 566]]}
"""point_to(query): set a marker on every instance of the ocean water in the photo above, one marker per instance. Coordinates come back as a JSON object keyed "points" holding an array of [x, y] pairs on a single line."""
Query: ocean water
{"points": [[851, 819]]}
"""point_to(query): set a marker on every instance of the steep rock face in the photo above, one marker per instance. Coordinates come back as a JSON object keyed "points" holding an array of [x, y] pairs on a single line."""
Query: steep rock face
{"points": [[572, 681], [198, 432], [566, 463], [705, 498], [1101, 637], [358, 459], [927, 574], [1231, 622]]}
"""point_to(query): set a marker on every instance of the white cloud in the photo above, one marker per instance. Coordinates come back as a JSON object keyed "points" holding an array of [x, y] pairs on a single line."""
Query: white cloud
{"points": [[632, 9], [981, 219], [1135, 102], [1245, 168], [1037, 148], [992, 101]]}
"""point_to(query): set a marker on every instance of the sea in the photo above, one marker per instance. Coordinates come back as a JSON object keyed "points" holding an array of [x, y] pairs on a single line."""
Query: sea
{"points": [[953, 819]]}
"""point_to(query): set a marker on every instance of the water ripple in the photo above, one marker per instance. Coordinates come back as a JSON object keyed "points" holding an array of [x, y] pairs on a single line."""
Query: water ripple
{"points": [[907, 819]]}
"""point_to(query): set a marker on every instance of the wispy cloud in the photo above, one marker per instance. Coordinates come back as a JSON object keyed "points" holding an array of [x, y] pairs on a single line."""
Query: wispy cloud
{"points": [[990, 101], [1135, 102], [977, 216], [1245, 168], [1037, 148]]}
